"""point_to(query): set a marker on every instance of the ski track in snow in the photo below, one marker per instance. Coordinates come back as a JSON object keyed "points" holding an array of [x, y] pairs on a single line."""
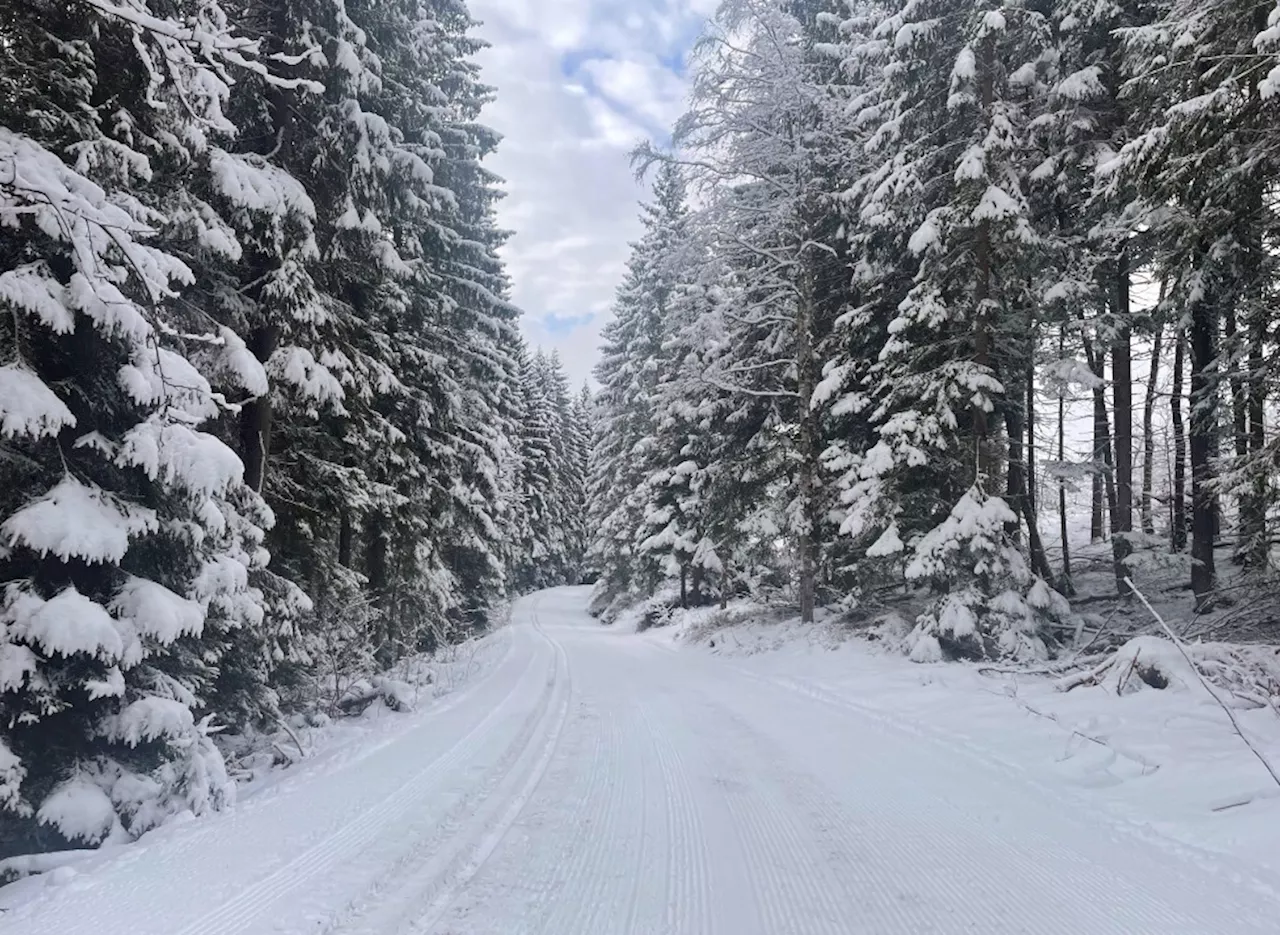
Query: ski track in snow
{"points": [[595, 782]]}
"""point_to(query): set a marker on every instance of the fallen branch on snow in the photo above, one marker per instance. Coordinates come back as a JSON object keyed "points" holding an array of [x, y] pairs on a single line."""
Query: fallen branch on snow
{"points": [[1205, 682]]}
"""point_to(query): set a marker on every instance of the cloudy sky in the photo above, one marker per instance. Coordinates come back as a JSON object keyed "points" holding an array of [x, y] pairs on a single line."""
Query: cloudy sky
{"points": [[579, 83]]}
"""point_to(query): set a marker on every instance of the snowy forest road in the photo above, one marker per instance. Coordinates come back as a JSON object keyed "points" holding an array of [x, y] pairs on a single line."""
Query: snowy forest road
{"points": [[596, 783]]}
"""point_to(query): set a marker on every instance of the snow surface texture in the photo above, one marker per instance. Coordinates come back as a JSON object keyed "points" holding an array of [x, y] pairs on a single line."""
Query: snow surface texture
{"points": [[598, 781]]}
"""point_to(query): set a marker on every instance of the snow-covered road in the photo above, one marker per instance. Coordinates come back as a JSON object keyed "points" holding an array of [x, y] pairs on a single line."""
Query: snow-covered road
{"points": [[596, 783]]}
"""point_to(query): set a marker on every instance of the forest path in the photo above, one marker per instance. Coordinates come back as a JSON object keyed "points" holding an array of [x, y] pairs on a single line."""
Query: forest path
{"points": [[596, 783]]}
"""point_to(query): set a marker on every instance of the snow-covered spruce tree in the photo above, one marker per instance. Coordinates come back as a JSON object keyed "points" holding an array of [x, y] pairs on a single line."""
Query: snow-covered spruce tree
{"points": [[461, 326], [880, 275], [127, 533], [578, 436], [991, 605], [305, 209], [950, 186], [541, 558], [689, 514], [760, 150], [1202, 88], [1092, 245], [627, 374], [570, 483]]}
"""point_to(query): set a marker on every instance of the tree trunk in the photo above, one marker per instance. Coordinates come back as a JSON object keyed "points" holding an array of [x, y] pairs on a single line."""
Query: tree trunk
{"points": [[1178, 524], [1019, 499], [1122, 391], [377, 573], [1204, 430], [982, 285], [1102, 431], [1239, 398], [255, 415], [1031, 432], [1231, 358], [1253, 518], [1065, 584], [806, 372], [1148, 433], [1097, 507]]}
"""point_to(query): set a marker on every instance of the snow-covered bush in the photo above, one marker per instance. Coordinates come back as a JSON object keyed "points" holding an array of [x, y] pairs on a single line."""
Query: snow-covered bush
{"points": [[990, 605]]}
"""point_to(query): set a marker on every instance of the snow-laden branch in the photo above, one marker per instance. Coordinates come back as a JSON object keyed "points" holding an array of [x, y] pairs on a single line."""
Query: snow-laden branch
{"points": [[214, 46]]}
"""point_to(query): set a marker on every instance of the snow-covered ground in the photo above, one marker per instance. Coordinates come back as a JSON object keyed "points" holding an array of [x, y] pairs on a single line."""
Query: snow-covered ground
{"points": [[1165, 764], [597, 781]]}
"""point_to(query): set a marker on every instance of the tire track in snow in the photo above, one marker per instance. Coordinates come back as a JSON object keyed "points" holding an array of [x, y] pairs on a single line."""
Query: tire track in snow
{"points": [[539, 858], [642, 768], [1136, 903], [581, 901], [792, 886], [440, 842], [1121, 828], [350, 839], [688, 909], [900, 837], [508, 808], [871, 888]]}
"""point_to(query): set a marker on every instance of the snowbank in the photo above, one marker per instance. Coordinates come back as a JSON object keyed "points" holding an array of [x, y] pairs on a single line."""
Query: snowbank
{"points": [[274, 761], [1164, 759]]}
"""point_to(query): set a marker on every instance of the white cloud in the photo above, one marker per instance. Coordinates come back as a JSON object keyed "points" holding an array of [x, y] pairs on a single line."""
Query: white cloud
{"points": [[579, 83]]}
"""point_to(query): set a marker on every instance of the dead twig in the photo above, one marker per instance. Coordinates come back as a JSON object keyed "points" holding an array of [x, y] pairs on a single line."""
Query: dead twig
{"points": [[292, 736], [1124, 680], [1205, 682]]}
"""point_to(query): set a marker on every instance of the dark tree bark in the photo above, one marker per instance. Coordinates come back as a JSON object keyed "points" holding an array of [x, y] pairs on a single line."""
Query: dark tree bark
{"points": [[1102, 429], [346, 535], [1122, 413], [810, 450], [1031, 433], [1177, 496], [1203, 435], [1065, 584], [1231, 352], [255, 415], [1097, 502], [1019, 498], [1254, 513]]}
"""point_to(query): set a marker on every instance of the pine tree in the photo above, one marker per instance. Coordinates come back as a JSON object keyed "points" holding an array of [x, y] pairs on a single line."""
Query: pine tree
{"points": [[627, 374], [768, 152], [1199, 170], [128, 535]]}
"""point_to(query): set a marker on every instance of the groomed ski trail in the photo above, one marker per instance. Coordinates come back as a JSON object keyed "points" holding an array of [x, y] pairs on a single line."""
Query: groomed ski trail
{"points": [[596, 784]]}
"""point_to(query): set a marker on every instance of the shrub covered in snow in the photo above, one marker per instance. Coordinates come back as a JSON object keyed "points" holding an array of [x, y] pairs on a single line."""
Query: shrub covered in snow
{"points": [[990, 604]]}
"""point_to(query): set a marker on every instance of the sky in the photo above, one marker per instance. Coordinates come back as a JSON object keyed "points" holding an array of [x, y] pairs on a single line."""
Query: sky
{"points": [[579, 83]]}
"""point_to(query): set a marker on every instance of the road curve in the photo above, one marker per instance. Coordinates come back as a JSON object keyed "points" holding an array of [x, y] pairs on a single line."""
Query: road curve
{"points": [[596, 784]]}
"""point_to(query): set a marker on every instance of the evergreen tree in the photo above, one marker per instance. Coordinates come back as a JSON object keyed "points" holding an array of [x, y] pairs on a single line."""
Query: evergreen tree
{"points": [[627, 374], [128, 533]]}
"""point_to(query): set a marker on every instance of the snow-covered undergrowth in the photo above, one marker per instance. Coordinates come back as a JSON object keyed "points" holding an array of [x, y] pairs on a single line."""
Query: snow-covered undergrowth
{"points": [[369, 709], [1166, 759], [256, 761]]}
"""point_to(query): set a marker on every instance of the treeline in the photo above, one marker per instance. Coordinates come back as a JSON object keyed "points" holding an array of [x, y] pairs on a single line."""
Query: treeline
{"points": [[265, 414], [884, 231]]}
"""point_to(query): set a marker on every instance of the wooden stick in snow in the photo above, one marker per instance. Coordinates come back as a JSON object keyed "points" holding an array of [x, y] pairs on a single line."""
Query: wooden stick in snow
{"points": [[1203, 681]]}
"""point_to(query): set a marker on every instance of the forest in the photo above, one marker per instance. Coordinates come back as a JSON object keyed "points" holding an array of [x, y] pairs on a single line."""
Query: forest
{"points": [[267, 422], [965, 308], [927, 286]]}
